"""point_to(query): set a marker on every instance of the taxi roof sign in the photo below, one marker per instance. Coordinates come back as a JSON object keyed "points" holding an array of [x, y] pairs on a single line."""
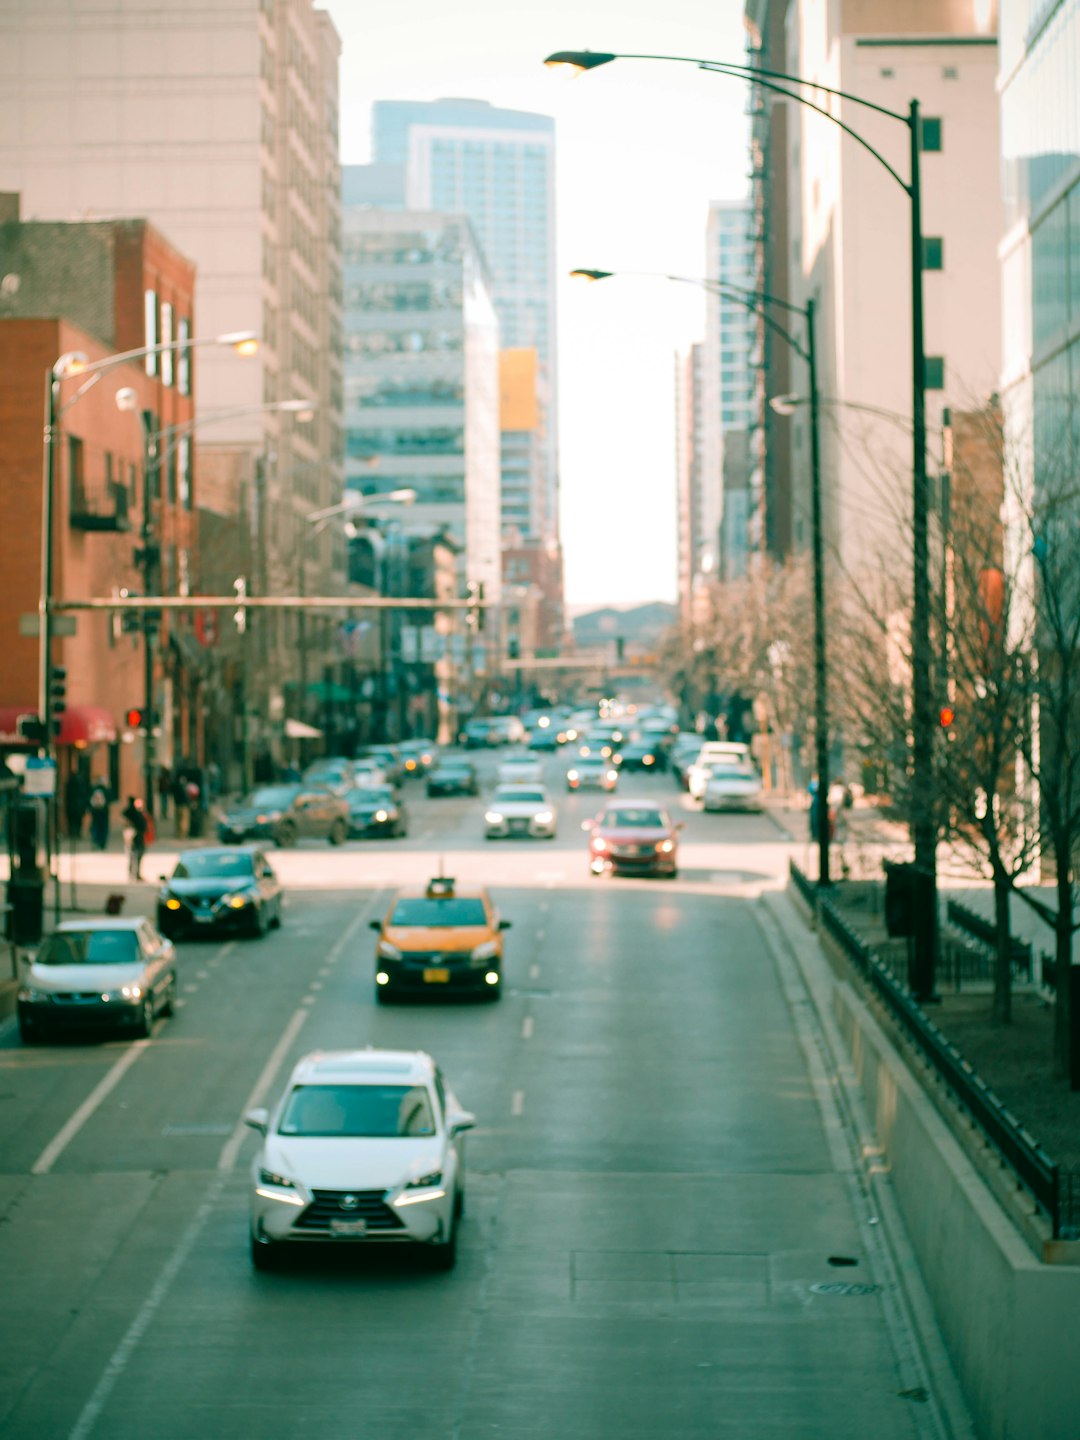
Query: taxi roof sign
{"points": [[440, 885]]}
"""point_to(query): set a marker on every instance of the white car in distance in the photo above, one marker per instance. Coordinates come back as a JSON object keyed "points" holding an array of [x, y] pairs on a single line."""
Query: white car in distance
{"points": [[520, 810], [734, 785], [364, 1147], [520, 770], [713, 752]]}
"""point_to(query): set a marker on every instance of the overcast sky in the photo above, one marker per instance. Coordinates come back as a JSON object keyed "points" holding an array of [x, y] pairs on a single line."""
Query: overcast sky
{"points": [[641, 149]]}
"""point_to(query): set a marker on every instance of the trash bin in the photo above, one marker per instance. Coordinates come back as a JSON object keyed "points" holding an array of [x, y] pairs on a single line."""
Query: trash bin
{"points": [[900, 884], [26, 908]]}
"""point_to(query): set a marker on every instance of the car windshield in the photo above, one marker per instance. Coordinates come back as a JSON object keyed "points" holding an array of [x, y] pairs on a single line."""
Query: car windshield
{"points": [[331, 770], [509, 794], [371, 795], [437, 910], [731, 772], [635, 819], [272, 797], [358, 1111], [451, 767], [90, 947], [225, 864]]}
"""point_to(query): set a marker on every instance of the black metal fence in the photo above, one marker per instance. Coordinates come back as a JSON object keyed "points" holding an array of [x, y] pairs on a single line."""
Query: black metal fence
{"points": [[984, 933], [1057, 1195]]}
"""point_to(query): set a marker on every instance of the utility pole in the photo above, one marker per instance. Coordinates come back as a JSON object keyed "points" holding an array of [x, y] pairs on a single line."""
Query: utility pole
{"points": [[148, 557]]}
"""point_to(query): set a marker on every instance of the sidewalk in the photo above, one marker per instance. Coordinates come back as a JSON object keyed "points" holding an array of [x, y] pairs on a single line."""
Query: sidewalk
{"points": [[866, 835]]}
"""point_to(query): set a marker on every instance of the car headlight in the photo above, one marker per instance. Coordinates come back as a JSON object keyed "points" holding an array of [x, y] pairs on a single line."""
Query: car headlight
{"points": [[381, 816], [487, 951], [127, 994], [571, 775], [543, 817], [665, 847], [385, 951], [424, 1187], [29, 996], [272, 1186], [598, 843], [172, 903], [493, 817], [239, 899]]}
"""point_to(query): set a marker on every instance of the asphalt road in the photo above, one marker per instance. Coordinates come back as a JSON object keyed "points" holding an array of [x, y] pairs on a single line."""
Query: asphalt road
{"points": [[655, 1186]]}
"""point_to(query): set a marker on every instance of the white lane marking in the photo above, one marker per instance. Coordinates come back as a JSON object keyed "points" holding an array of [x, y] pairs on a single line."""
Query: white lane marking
{"points": [[121, 1356], [527, 1028], [190, 989], [539, 934], [324, 971], [315, 985], [179, 1004], [202, 975], [225, 950], [534, 972], [48, 1157], [517, 1104], [231, 1148]]}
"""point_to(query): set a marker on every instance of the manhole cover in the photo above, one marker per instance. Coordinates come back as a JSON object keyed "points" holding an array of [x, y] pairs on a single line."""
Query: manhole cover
{"points": [[838, 1287]]}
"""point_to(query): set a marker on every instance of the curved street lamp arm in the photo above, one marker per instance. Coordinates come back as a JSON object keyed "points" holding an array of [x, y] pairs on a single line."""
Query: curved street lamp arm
{"points": [[746, 299], [741, 72]]}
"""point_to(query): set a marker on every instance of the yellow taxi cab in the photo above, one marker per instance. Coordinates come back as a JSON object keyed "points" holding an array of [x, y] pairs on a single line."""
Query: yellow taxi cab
{"points": [[439, 938]]}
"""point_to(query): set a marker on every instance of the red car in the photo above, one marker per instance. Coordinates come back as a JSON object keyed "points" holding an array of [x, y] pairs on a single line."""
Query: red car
{"points": [[632, 838]]}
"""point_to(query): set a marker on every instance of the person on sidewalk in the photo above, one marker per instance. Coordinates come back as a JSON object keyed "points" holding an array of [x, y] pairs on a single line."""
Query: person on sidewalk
{"points": [[99, 814], [135, 829]]}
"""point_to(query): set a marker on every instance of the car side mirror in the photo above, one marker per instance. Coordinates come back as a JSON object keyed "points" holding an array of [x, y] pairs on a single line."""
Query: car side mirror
{"points": [[461, 1122], [163, 878], [374, 924], [505, 924], [258, 1120]]}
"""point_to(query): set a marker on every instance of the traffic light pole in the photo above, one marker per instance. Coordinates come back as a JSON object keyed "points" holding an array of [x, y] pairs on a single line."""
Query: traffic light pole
{"points": [[147, 557]]}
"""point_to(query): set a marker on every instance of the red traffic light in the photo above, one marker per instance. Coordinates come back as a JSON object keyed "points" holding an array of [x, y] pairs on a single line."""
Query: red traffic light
{"points": [[133, 719], [946, 716]]}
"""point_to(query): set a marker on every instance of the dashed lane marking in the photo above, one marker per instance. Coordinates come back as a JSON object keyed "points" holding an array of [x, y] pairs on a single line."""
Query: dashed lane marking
{"points": [[517, 1103], [527, 1028], [67, 1132], [534, 972]]}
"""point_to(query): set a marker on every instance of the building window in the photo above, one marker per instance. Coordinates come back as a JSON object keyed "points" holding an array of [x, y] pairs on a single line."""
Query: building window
{"points": [[183, 457], [933, 252], [166, 339], [183, 357], [930, 131], [150, 309], [934, 372]]}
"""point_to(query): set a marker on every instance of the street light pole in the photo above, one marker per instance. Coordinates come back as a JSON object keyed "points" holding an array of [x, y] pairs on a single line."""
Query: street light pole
{"points": [[821, 674], [923, 820]]}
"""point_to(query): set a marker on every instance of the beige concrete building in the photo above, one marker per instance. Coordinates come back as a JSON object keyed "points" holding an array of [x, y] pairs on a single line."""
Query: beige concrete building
{"points": [[220, 126], [850, 248]]}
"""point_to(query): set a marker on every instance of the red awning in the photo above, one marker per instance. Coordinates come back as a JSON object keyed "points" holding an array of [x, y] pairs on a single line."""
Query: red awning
{"points": [[81, 725]]}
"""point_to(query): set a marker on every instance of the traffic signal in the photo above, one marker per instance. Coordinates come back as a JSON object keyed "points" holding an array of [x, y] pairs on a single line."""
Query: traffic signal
{"points": [[240, 614], [513, 648], [30, 729], [134, 718], [946, 716], [57, 696], [474, 616], [130, 620]]}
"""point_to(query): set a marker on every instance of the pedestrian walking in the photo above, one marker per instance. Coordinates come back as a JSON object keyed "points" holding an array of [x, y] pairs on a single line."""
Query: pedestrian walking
{"points": [[76, 799], [135, 815], [99, 814], [164, 790]]}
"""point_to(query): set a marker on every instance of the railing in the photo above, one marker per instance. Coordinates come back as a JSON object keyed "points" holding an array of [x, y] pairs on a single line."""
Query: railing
{"points": [[1029, 1161], [99, 507], [985, 933]]}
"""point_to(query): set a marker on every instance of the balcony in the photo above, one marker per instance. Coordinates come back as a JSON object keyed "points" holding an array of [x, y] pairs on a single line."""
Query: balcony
{"points": [[99, 507]]}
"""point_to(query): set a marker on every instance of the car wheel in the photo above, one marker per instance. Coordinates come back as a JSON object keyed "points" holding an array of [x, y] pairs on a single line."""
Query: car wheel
{"points": [[263, 1254], [444, 1256], [28, 1032], [286, 834], [339, 833], [169, 1005], [276, 921], [459, 1203], [383, 995], [145, 1022], [258, 923]]}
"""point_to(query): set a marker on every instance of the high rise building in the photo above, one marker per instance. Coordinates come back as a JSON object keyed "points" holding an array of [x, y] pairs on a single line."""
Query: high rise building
{"points": [[221, 128], [690, 469], [497, 167], [1040, 125], [849, 247], [422, 378], [730, 338]]}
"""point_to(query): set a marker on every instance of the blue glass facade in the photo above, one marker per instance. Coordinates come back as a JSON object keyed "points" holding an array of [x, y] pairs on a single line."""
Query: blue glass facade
{"points": [[1040, 111]]}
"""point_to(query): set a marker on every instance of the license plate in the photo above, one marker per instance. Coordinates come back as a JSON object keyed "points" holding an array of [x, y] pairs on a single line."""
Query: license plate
{"points": [[348, 1227], [204, 919], [436, 977]]}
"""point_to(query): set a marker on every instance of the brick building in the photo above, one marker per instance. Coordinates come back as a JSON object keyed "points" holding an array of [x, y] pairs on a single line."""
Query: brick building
{"points": [[99, 288]]}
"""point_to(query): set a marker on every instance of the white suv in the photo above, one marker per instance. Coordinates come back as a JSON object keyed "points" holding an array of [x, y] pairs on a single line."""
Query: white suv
{"points": [[363, 1147], [714, 752]]}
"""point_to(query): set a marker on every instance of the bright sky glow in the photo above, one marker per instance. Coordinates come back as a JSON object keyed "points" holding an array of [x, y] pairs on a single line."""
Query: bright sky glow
{"points": [[641, 148]]}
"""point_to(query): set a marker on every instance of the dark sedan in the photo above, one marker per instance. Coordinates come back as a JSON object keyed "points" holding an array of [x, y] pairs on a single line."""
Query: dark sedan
{"points": [[453, 777], [216, 889], [258, 815], [376, 810]]}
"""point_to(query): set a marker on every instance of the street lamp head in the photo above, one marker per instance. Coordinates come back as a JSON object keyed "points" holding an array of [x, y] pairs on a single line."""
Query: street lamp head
{"points": [[304, 410], [244, 342], [70, 363], [127, 398], [404, 496], [578, 61], [591, 274], [786, 404]]}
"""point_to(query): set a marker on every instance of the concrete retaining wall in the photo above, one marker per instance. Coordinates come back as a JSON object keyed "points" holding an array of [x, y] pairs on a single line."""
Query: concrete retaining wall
{"points": [[1012, 1323]]}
